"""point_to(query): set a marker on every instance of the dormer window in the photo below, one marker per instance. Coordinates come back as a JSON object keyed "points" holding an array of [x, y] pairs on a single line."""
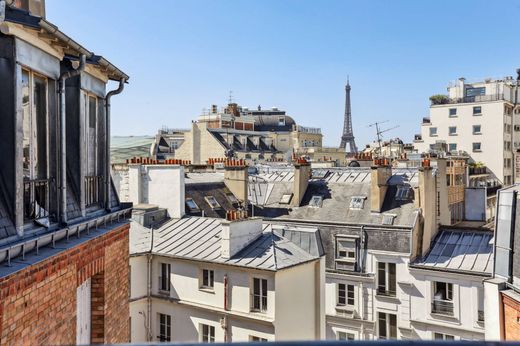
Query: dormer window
{"points": [[346, 253], [316, 201], [388, 219], [403, 193], [357, 202], [192, 206], [281, 121], [212, 201], [286, 198]]}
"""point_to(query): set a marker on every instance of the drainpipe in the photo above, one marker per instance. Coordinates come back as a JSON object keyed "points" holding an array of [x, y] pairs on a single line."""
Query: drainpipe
{"points": [[63, 163], [107, 136], [149, 298]]}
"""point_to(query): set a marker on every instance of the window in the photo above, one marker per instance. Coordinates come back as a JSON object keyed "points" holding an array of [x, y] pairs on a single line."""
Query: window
{"points": [[387, 326], [388, 219], [477, 110], [91, 110], [192, 206], [286, 198], [452, 146], [253, 338], [453, 112], [507, 145], [346, 249], [259, 301], [281, 121], [476, 129], [442, 298], [316, 201], [164, 278], [345, 336], [433, 131], [386, 279], [165, 328], [357, 202], [403, 193], [477, 146], [480, 311], [440, 336], [212, 201], [471, 92], [231, 197], [452, 130], [345, 295], [208, 279], [207, 333]]}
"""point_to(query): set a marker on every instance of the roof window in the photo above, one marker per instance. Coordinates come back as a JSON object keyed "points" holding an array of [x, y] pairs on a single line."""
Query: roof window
{"points": [[357, 202], [316, 201], [388, 219], [286, 198], [212, 201], [192, 206], [403, 193]]}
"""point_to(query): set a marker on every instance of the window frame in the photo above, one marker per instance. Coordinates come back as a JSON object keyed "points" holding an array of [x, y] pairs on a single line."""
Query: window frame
{"points": [[255, 338], [262, 294], [210, 285], [318, 201], [206, 333], [211, 197], [443, 336], [450, 133], [449, 147], [388, 288], [165, 327], [479, 147], [164, 280], [389, 330], [475, 113], [452, 114], [435, 133], [190, 200], [345, 336], [479, 132], [357, 202]]}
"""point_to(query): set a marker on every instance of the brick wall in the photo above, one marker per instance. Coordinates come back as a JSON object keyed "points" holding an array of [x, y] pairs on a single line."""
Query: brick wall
{"points": [[511, 318], [38, 303]]}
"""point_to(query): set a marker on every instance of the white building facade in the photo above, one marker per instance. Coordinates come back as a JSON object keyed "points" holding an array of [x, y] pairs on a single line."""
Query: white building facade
{"points": [[479, 119]]}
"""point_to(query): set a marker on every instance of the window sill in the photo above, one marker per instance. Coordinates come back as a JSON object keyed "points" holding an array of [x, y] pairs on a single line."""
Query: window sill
{"points": [[163, 292], [477, 115], [207, 290], [477, 151], [256, 311], [434, 135], [345, 308], [477, 133], [438, 315], [387, 297], [453, 134]]}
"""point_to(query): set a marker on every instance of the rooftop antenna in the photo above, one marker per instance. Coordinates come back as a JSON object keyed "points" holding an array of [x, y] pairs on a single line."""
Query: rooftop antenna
{"points": [[380, 132], [230, 96]]}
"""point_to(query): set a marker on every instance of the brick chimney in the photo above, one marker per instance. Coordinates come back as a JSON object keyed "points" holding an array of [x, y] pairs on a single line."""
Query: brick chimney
{"points": [[238, 231], [427, 202], [236, 179], [302, 174], [381, 171]]}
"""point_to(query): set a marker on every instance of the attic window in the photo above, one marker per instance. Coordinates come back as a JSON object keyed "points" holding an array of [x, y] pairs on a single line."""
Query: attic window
{"points": [[212, 202], [286, 198], [357, 202], [403, 193], [388, 219], [192, 206], [232, 198], [316, 201]]}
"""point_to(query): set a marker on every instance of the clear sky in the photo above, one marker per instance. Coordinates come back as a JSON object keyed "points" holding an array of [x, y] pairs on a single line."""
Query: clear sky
{"points": [[183, 56]]}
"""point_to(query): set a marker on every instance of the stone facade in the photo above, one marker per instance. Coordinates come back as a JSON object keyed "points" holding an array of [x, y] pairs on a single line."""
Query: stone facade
{"points": [[38, 303]]}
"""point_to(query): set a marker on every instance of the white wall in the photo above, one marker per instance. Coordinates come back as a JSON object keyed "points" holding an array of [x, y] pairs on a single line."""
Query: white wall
{"points": [[162, 185]]}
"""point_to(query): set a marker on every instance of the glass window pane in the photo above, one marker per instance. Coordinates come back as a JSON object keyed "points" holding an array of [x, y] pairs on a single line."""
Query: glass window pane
{"points": [[26, 120]]}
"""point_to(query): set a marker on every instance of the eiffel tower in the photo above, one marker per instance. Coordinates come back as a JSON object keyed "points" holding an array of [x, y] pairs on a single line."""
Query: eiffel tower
{"points": [[348, 135]]}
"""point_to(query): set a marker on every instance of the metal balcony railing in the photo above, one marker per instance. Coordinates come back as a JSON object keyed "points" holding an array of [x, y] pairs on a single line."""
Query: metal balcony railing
{"points": [[36, 199], [442, 307], [93, 188], [470, 99], [258, 303], [386, 293]]}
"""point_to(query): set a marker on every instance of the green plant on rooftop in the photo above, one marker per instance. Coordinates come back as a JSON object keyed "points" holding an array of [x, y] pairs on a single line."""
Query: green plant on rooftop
{"points": [[439, 99]]}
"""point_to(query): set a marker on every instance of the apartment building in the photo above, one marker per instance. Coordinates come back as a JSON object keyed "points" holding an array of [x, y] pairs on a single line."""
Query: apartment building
{"points": [[63, 232], [502, 291], [238, 132], [479, 119], [200, 279]]}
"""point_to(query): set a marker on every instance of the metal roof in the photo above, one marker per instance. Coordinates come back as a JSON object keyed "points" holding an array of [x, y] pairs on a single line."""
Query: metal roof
{"points": [[461, 250], [199, 239]]}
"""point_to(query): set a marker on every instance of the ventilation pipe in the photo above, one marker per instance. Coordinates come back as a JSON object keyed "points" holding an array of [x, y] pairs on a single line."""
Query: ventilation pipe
{"points": [[107, 146], [63, 163]]}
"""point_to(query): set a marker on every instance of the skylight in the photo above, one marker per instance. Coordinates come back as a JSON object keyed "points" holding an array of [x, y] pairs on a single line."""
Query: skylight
{"points": [[191, 204], [388, 219], [286, 198], [232, 198], [316, 201], [357, 202], [212, 202]]}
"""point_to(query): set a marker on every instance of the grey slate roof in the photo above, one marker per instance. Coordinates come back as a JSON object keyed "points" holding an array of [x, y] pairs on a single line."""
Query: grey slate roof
{"points": [[461, 250], [198, 191], [337, 186], [198, 238]]}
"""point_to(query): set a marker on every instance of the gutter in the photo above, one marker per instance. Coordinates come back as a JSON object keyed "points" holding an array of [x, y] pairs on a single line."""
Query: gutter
{"points": [[63, 145], [108, 179]]}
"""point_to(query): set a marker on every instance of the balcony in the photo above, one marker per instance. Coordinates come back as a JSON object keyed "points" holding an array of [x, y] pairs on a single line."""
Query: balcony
{"points": [[385, 293], [93, 188], [36, 199], [477, 170], [442, 307], [467, 99]]}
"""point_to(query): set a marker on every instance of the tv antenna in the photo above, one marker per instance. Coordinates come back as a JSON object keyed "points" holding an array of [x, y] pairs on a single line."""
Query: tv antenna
{"points": [[230, 96], [379, 132]]}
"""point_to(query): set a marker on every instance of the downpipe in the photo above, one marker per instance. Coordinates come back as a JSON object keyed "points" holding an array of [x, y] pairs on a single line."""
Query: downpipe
{"points": [[107, 139], [63, 145]]}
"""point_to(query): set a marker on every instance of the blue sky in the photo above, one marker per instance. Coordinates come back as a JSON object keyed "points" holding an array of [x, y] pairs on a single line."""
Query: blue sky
{"points": [[183, 56]]}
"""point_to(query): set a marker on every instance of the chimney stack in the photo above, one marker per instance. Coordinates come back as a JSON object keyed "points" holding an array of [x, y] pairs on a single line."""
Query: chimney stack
{"points": [[302, 174], [381, 171], [238, 233], [427, 203], [236, 179]]}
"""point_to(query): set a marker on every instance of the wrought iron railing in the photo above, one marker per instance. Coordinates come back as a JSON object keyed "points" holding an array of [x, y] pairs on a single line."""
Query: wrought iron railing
{"points": [[36, 199], [442, 307], [93, 188], [384, 292], [258, 303]]}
